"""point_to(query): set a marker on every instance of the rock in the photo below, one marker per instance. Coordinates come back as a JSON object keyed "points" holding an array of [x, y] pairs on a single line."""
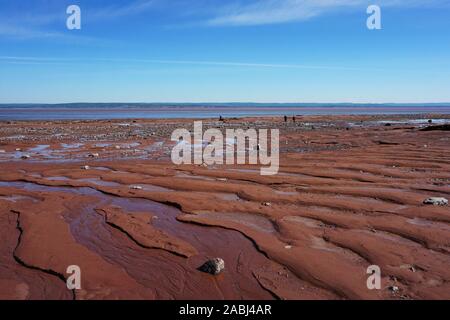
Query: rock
{"points": [[93, 155], [288, 247], [2, 151], [213, 266], [117, 147], [25, 156], [222, 179], [18, 149], [394, 289], [85, 167], [408, 266], [436, 201], [444, 127], [136, 187], [266, 204]]}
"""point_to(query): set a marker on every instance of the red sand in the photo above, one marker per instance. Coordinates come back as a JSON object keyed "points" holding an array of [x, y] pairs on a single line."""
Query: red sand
{"points": [[343, 200]]}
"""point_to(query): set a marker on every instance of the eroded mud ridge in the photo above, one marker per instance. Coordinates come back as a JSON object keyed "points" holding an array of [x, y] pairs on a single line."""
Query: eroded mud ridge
{"points": [[349, 194]]}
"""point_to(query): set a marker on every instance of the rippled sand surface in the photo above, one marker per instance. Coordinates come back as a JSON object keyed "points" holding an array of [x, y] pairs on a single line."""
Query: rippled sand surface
{"points": [[349, 195]]}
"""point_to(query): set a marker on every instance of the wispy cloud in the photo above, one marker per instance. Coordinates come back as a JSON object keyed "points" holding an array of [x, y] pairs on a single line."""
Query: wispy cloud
{"points": [[115, 11], [50, 60], [25, 32], [40, 24], [281, 11]]}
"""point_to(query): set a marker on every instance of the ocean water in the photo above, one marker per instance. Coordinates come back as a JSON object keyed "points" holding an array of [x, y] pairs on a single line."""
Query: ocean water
{"points": [[83, 111]]}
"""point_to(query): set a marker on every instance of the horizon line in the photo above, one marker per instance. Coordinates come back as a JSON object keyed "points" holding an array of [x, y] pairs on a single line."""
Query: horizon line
{"points": [[227, 103]]}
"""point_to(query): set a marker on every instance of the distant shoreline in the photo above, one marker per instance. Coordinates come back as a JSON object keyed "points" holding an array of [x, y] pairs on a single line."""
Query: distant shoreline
{"points": [[219, 105]]}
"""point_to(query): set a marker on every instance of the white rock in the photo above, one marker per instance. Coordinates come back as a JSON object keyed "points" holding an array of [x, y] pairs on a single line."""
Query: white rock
{"points": [[136, 187], [394, 288], [436, 201], [25, 156], [93, 155], [85, 167], [266, 204]]}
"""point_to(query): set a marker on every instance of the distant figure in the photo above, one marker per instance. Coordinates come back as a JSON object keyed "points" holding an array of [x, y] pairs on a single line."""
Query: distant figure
{"points": [[293, 119], [285, 118], [220, 118], [430, 121]]}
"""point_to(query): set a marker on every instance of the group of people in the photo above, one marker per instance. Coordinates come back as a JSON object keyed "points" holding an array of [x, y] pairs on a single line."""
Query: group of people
{"points": [[286, 119]]}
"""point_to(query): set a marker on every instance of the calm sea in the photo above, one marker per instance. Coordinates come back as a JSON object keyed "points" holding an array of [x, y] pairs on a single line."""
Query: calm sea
{"points": [[83, 111]]}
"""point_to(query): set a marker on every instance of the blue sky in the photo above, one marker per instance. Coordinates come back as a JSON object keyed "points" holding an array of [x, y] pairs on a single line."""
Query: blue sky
{"points": [[224, 51]]}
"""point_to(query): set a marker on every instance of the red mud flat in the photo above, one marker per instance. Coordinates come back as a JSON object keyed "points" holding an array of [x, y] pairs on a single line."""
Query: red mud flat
{"points": [[349, 195]]}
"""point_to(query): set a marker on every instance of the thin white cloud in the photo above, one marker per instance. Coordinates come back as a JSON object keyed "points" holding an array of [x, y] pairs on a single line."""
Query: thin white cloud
{"points": [[281, 11], [25, 32], [115, 11], [38, 25], [49, 60]]}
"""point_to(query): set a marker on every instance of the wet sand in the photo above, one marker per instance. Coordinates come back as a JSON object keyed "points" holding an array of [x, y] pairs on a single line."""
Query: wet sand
{"points": [[349, 194]]}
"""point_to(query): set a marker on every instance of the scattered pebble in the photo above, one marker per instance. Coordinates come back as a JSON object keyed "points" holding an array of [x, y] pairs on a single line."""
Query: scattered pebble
{"points": [[408, 266], [18, 149], [222, 179], [93, 155], [436, 201], [25, 156], [117, 147], [85, 167], [394, 289], [136, 187], [288, 247], [266, 204], [213, 266]]}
